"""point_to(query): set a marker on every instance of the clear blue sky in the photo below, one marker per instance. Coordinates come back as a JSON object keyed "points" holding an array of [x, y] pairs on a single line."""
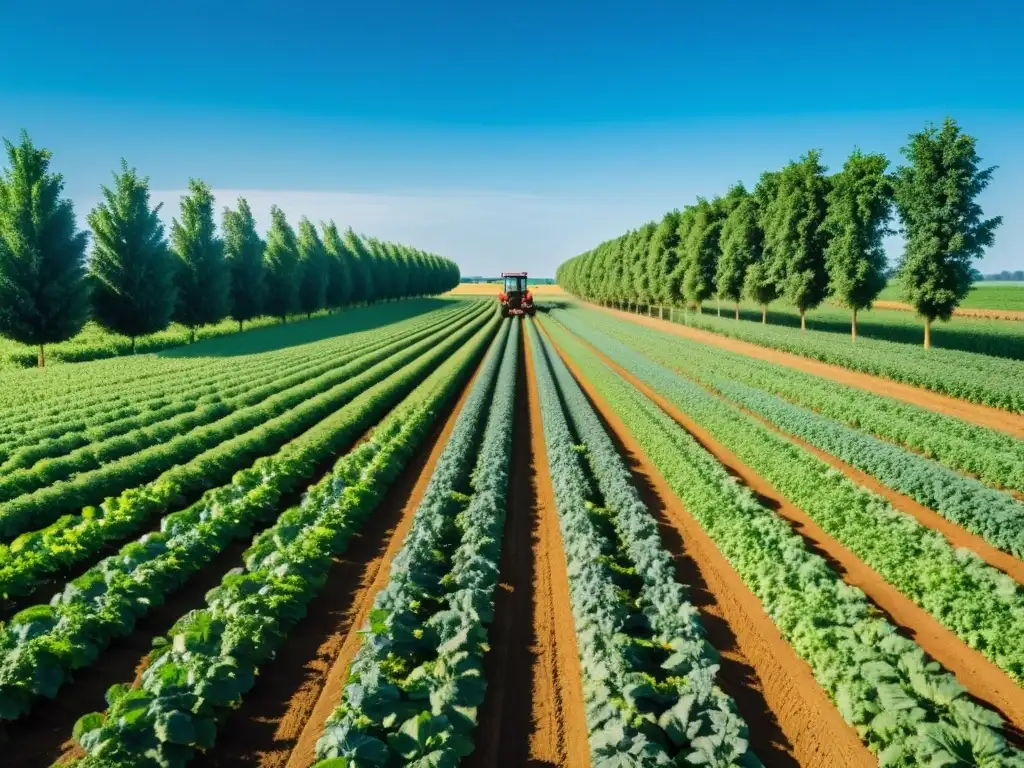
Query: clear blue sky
{"points": [[505, 136]]}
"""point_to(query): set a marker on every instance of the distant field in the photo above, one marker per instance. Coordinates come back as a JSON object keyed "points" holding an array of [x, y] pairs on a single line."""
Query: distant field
{"points": [[988, 295]]}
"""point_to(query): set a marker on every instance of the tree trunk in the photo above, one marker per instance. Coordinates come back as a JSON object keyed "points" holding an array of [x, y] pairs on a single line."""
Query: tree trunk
{"points": [[764, 314], [719, 305], [927, 333], [133, 345], [853, 326], [803, 320], [737, 311], [239, 326], [41, 359], [191, 335]]}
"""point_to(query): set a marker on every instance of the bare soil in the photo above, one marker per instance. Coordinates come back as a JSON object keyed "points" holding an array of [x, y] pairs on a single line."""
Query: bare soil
{"points": [[792, 722], [979, 676], [993, 418]]}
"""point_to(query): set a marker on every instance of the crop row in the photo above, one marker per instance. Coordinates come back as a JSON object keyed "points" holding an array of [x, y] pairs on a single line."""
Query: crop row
{"points": [[903, 705], [224, 416], [996, 516], [983, 606], [44, 505], [994, 457], [116, 399], [967, 375], [40, 646], [212, 656], [417, 680], [648, 673], [65, 388], [73, 539]]}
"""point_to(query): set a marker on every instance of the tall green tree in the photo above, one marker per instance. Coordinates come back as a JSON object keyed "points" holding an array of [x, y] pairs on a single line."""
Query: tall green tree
{"points": [[201, 274], [281, 261], [859, 209], [362, 268], [701, 252], [43, 297], [243, 251], [741, 244], [936, 196], [663, 256], [314, 272], [131, 268], [793, 236], [339, 267]]}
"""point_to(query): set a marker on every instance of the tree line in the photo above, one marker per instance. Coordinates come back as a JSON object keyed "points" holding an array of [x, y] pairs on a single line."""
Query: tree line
{"points": [[803, 235], [136, 281]]}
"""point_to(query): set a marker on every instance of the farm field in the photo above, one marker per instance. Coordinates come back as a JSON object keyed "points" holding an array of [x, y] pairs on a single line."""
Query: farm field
{"points": [[993, 296], [417, 534]]}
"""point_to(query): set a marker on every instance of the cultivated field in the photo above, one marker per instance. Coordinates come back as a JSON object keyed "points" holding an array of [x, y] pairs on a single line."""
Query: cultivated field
{"points": [[415, 534]]}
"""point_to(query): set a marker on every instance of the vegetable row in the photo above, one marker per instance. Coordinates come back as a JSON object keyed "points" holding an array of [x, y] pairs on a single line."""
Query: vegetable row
{"points": [[983, 606], [903, 705], [994, 457], [649, 675], [212, 655], [415, 684], [40, 646]]}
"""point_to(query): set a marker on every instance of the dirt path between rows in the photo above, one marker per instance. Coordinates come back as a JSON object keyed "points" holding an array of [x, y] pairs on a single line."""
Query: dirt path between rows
{"points": [[987, 314], [792, 722], [993, 418], [982, 679], [533, 714], [283, 716]]}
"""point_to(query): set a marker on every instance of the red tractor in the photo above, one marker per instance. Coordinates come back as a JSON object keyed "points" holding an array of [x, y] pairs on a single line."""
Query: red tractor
{"points": [[515, 297]]}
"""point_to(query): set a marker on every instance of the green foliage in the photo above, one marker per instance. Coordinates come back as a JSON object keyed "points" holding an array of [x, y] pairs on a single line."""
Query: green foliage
{"points": [[741, 243], [313, 268], [281, 260], [42, 252], [700, 251], [936, 196], [339, 267], [201, 274], [243, 251], [662, 259], [859, 208], [794, 241], [362, 267], [131, 269]]}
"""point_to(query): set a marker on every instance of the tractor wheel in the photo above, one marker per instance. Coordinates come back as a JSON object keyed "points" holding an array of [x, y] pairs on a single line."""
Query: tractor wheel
{"points": [[532, 311], [504, 310]]}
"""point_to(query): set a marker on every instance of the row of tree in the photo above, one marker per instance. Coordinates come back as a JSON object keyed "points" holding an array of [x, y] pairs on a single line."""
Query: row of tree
{"points": [[802, 235], [135, 282]]}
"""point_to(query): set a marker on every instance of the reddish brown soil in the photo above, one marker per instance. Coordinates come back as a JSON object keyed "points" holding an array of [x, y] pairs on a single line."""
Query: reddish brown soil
{"points": [[988, 314], [982, 679], [993, 418], [792, 722], [532, 715], [45, 735], [284, 714]]}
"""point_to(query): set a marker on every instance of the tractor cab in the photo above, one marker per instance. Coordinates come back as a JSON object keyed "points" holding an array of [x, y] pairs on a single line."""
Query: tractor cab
{"points": [[515, 297]]}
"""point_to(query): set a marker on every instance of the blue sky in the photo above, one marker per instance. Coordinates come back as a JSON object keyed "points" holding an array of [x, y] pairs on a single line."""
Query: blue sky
{"points": [[505, 136]]}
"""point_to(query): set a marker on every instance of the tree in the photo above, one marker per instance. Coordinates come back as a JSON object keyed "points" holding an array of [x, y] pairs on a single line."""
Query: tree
{"points": [[281, 261], [202, 276], [339, 267], [936, 196], [741, 245], [131, 268], [859, 209], [243, 251], [314, 274], [362, 269], [701, 252], [43, 298], [663, 256], [793, 237], [759, 283]]}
